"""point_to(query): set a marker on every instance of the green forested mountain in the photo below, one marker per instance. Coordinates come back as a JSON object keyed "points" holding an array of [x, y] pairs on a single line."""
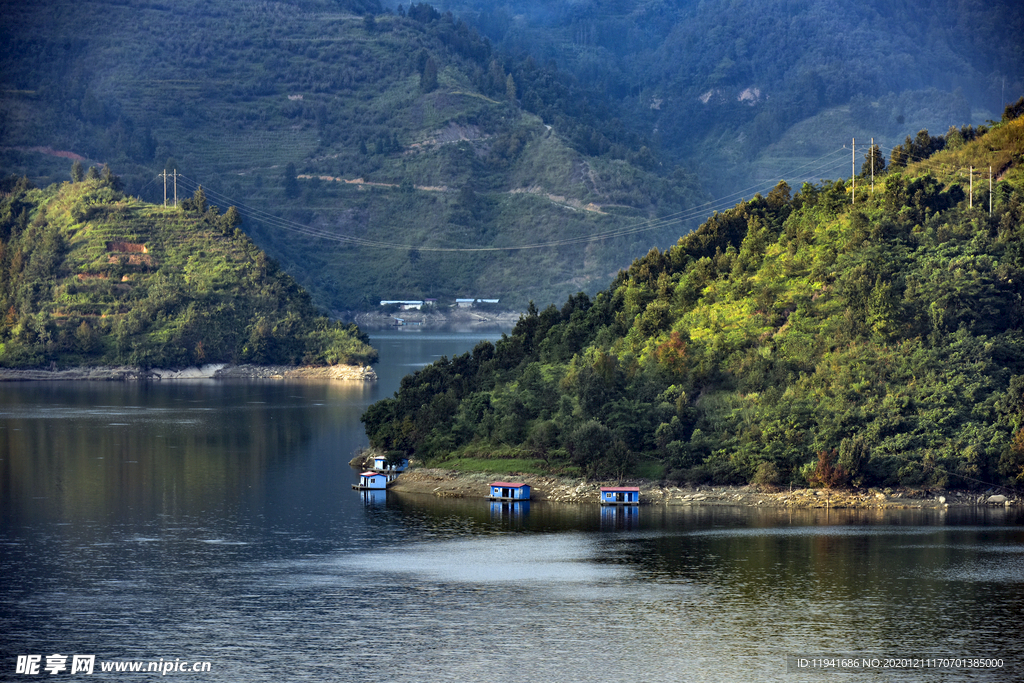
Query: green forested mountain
{"points": [[89, 276], [356, 142], [838, 334], [747, 92]]}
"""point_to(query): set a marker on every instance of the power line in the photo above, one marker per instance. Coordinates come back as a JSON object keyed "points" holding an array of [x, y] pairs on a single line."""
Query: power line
{"points": [[928, 163], [700, 211]]}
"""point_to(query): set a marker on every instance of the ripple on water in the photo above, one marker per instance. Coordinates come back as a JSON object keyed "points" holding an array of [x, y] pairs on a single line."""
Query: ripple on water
{"points": [[222, 541], [1009, 569], [562, 558]]}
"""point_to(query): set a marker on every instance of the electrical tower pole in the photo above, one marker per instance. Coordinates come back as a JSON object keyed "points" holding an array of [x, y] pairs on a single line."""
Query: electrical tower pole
{"points": [[164, 174], [853, 171], [175, 188]]}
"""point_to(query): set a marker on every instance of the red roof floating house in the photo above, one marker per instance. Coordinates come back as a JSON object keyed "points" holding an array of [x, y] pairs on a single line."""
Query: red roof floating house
{"points": [[620, 495], [505, 490], [369, 481]]}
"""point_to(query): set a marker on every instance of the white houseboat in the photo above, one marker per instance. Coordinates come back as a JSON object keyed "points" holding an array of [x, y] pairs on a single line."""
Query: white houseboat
{"points": [[375, 481]]}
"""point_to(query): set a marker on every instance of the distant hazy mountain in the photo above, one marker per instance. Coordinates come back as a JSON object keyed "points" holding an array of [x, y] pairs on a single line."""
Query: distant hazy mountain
{"points": [[749, 91]]}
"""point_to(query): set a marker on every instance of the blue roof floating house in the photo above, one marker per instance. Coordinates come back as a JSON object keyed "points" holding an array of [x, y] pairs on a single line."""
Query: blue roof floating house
{"points": [[620, 495], [369, 481], [380, 464], [504, 490]]}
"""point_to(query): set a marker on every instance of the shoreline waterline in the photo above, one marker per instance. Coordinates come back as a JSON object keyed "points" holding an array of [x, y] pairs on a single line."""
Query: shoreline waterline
{"points": [[125, 373], [454, 484]]}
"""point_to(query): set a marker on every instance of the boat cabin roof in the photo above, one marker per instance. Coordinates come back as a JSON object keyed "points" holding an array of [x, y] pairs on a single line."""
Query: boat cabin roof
{"points": [[511, 485], [620, 488]]}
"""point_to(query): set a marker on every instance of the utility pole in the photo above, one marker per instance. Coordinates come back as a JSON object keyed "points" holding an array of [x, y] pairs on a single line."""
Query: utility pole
{"points": [[175, 188], [853, 171], [970, 203], [871, 152], [164, 174]]}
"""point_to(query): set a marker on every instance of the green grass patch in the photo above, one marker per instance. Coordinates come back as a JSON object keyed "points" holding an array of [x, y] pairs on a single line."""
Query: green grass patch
{"points": [[651, 469]]}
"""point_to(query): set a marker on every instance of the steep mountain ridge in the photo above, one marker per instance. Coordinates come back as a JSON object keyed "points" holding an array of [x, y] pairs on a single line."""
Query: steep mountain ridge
{"points": [[744, 92]]}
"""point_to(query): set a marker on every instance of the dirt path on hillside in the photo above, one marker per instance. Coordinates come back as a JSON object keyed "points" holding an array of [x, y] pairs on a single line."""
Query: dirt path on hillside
{"points": [[48, 151], [564, 202]]}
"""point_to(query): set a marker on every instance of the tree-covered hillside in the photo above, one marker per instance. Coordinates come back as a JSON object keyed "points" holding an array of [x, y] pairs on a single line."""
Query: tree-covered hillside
{"points": [[746, 91], [89, 276], [357, 143], [824, 336]]}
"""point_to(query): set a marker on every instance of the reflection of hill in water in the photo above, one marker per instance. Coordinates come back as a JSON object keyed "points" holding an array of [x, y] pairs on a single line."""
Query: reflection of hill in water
{"points": [[93, 449]]}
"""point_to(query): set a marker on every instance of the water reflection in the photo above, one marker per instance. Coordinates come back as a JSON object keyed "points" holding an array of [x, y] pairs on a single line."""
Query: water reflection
{"points": [[620, 517], [216, 521], [515, 559], [377, 498], [73, 451], [512, 515]]}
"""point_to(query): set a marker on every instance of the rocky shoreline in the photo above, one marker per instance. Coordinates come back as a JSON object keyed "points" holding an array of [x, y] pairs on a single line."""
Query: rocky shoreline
{"points": [[212, 371], [451, 484]]}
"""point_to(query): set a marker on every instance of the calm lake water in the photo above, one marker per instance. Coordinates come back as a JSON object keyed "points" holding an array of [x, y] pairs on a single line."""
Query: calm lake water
{"points": [[215, 522]]}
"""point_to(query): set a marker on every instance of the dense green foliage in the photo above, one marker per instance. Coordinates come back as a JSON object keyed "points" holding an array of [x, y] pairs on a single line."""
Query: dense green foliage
{"points": [[91, 277], [271, 106], [815, 337]]}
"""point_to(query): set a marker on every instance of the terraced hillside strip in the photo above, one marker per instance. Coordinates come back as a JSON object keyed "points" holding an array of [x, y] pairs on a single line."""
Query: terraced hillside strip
{"points": [[91, 277]]}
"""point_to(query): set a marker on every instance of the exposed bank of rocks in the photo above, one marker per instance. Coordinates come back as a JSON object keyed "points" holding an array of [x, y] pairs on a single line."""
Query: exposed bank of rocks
{"points": [[362, 373], [212, 371], [450, 484]]}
